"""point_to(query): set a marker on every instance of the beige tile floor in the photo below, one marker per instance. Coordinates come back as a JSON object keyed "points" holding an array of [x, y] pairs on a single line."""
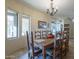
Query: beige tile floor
{"points": [[22, 54]]}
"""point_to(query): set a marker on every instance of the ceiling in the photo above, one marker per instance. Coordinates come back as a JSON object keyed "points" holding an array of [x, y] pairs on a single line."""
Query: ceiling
{"points": [[65, 7]]}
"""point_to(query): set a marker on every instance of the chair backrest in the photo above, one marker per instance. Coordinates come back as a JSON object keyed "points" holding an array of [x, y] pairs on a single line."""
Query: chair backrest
{"points": [[32, 43], [37, 34], [58, 43], [44, 34], [28, 46]]}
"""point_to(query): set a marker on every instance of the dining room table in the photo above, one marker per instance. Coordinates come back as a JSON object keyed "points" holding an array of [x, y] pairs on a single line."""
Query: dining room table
{"points": [[44, 44]]}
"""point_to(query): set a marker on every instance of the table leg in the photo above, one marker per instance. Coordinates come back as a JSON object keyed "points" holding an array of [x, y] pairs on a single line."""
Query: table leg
{"points": [[44, 53]]}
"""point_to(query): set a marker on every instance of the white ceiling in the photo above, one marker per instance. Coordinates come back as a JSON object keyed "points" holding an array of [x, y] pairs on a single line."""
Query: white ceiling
{"points": [[65, 7]]}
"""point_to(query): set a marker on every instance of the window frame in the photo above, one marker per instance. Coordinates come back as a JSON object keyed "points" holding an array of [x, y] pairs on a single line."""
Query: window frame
{"points": [[14, 14], [25, 16], [19, 24]]}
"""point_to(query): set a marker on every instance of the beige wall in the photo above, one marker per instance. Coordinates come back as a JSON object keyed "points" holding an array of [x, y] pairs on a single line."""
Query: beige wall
{"points": [[16, 44], [12, 46]]}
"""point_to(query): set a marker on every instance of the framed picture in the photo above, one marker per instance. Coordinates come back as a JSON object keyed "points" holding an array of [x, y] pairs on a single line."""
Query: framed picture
{"points": [[42, 24]]}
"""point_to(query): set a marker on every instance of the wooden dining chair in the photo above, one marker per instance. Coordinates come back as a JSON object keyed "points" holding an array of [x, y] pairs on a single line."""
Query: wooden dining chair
{"points": [[55, 52], [62, 44], [37, 34], [36, 51], [28, 46], [63, 48], [44, 34], [67, 42]]}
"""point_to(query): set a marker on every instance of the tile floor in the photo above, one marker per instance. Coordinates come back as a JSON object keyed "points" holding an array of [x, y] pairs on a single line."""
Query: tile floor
{"points": [[23, 53]]}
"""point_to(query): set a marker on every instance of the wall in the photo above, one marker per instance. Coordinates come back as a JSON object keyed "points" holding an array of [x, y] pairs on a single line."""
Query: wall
{"points": [[12, 46]]}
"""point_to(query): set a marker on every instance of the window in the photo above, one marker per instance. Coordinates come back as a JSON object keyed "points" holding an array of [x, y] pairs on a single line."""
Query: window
{"points": [[58, 27], [12, 24], [55, 27], [25, 25]]}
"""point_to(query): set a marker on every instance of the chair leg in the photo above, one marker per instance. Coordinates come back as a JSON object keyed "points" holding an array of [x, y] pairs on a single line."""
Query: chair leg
{"points": [[29, 55]]}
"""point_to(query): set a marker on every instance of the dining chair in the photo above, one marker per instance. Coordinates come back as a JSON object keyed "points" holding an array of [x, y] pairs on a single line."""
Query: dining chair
{"points": [[36, 51], [67, 42], [55, 52], [44, 34], [28, 46], [63, 48], [37, 34], [62, 44]]}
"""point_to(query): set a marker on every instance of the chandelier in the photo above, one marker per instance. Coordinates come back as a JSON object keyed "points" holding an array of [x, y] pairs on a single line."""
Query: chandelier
{"points": [[52, 11]]}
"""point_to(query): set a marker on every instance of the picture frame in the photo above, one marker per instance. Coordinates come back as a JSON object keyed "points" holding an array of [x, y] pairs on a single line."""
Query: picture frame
{"points": [[42, 24]]}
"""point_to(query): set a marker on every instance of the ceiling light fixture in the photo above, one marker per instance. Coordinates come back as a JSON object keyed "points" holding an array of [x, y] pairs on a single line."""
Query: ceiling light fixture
{"points": [[52, 11]]}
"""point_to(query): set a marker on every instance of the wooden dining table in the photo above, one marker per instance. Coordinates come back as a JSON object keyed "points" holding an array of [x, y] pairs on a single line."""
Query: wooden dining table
{"points": [[44, 44]]}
